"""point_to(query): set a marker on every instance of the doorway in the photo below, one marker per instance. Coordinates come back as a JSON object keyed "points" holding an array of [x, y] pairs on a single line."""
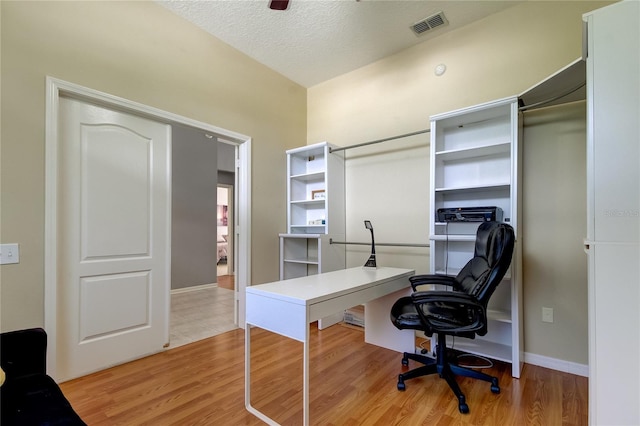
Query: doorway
{"points": [[224, 222], [54, 236], [203, 276]]}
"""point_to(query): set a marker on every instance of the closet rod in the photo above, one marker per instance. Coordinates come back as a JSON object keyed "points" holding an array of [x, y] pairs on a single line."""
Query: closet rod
{"points": [[379, 244], [342, 148]]}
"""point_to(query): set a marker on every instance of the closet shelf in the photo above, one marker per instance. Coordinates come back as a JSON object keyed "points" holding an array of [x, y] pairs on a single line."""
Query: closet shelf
{"points": [[308, 177], [475, 188], [304, 260], [318, 203], [487, 150]]}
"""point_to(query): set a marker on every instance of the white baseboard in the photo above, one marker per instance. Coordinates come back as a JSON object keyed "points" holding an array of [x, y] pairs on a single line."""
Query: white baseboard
{"points": [[193, 288], [557, 364]]}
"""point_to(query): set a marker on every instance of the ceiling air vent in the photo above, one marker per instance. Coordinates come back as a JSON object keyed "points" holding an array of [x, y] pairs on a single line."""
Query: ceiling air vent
{"points": [[429, 23]]}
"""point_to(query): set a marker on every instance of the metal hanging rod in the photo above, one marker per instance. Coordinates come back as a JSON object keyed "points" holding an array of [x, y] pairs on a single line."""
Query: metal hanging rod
{"points": [[342, 148], [378, 244]]}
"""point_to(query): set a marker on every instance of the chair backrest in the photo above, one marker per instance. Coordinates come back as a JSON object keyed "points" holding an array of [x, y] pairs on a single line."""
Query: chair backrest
{"points": [[491, 260]]}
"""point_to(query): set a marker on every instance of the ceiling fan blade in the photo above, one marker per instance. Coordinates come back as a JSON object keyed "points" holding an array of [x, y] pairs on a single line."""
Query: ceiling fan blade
{"points": [[278, 4]]}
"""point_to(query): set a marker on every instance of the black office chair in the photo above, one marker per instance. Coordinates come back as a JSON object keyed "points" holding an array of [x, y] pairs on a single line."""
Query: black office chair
{"points": [[461, 312]]}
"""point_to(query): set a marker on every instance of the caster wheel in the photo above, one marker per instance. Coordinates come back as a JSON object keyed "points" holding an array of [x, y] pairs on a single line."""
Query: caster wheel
{"points": [[401, 385], [464, 408], [405, 362], [494, 386]]}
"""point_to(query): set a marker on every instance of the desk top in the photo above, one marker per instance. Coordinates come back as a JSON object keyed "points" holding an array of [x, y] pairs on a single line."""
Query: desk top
{"points": [[318, 288]]}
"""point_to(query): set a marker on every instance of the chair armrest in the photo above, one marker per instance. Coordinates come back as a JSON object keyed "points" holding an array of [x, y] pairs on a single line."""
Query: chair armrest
{"points": [[23, 353], [449, 311], [418, 280]]}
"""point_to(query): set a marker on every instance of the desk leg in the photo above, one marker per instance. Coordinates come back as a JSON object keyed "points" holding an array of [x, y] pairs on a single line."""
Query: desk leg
{"points": [[247, 366], [247, 379], [305, 383]]}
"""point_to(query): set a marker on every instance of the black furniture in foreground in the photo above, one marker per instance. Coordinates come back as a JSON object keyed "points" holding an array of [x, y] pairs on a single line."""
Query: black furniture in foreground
{"points": [[461, 312], [28, 396]]}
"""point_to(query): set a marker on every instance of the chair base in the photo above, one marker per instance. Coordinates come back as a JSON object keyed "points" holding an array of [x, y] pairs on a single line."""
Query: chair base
{"points": [[447, 370]]}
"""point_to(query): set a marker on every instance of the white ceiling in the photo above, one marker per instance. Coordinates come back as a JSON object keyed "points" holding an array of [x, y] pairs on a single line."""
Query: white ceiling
{"points": [[315, 40]]}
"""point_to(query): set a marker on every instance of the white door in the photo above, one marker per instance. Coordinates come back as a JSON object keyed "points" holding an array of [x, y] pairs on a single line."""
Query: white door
{"points": [[114, 215]]}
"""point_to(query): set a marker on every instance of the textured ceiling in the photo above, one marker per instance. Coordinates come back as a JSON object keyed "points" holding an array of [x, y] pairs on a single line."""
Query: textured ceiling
{"points": [[315, 40]]}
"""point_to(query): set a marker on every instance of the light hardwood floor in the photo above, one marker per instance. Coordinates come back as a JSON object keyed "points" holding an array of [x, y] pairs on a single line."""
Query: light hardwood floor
{"points": [[352, 383]]}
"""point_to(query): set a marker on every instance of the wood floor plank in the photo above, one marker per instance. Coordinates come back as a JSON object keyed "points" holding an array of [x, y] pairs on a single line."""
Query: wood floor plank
{"points": [[351, 382]]}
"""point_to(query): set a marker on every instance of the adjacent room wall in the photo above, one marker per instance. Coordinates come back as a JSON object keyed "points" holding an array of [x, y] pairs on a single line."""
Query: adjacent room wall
{"points": [[194, 182], [502, 55], [142, 52]]}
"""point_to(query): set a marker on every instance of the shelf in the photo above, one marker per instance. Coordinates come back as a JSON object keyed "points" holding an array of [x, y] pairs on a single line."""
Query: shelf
{"points": [[309, 236], [452, 272], [306, 261], [310, 228], [480, 151], [318, 203], [492, 187], [458, 237], [306, 151], [484, 348], [308, 177]]}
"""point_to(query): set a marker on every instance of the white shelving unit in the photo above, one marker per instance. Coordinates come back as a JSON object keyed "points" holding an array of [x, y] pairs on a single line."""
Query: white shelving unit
{"points": [[308, 254], [315, 190], [315, 214], [475, 163]]}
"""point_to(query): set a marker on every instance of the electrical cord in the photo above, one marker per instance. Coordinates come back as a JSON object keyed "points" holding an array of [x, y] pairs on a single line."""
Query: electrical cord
{"points": [[446, 249], [487, 362]]}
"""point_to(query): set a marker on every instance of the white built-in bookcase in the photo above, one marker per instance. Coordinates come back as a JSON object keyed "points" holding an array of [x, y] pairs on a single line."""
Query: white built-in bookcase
{"points": [[315, 212], [475, 162]]}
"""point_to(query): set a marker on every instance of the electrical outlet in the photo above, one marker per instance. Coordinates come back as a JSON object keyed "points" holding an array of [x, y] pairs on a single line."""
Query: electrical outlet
{"points": [[547, 314], [9, 253]]}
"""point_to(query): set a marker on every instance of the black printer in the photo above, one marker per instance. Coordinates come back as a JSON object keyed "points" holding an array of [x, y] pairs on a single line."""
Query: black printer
{"points": [[470, 214]]}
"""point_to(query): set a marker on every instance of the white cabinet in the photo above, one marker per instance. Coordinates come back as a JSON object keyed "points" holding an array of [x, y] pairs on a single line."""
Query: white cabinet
{"points": [[475, 162], [613, 212]]}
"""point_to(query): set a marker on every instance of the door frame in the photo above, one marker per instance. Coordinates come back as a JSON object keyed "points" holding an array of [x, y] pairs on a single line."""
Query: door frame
{"points": [[55, 88]]}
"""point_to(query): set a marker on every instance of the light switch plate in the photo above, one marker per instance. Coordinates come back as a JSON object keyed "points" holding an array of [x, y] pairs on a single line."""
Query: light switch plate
{"points": [[9, 253]]}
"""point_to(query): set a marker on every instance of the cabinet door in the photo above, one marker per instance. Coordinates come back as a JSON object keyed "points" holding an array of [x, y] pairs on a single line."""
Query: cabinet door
{"points": [[613, 67], [614, 320]]}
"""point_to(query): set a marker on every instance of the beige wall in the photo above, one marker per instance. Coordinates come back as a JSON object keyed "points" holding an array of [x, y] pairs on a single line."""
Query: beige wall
{"points": [[142, 52], [554, 225], [500, 56]]}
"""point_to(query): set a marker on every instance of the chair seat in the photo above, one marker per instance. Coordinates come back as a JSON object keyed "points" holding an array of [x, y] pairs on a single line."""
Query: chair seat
{"points": [[404, 315], [438, 316]]}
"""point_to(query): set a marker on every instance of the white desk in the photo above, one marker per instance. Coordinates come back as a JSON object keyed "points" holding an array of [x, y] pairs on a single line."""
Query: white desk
{"points": [[288, 307]]}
